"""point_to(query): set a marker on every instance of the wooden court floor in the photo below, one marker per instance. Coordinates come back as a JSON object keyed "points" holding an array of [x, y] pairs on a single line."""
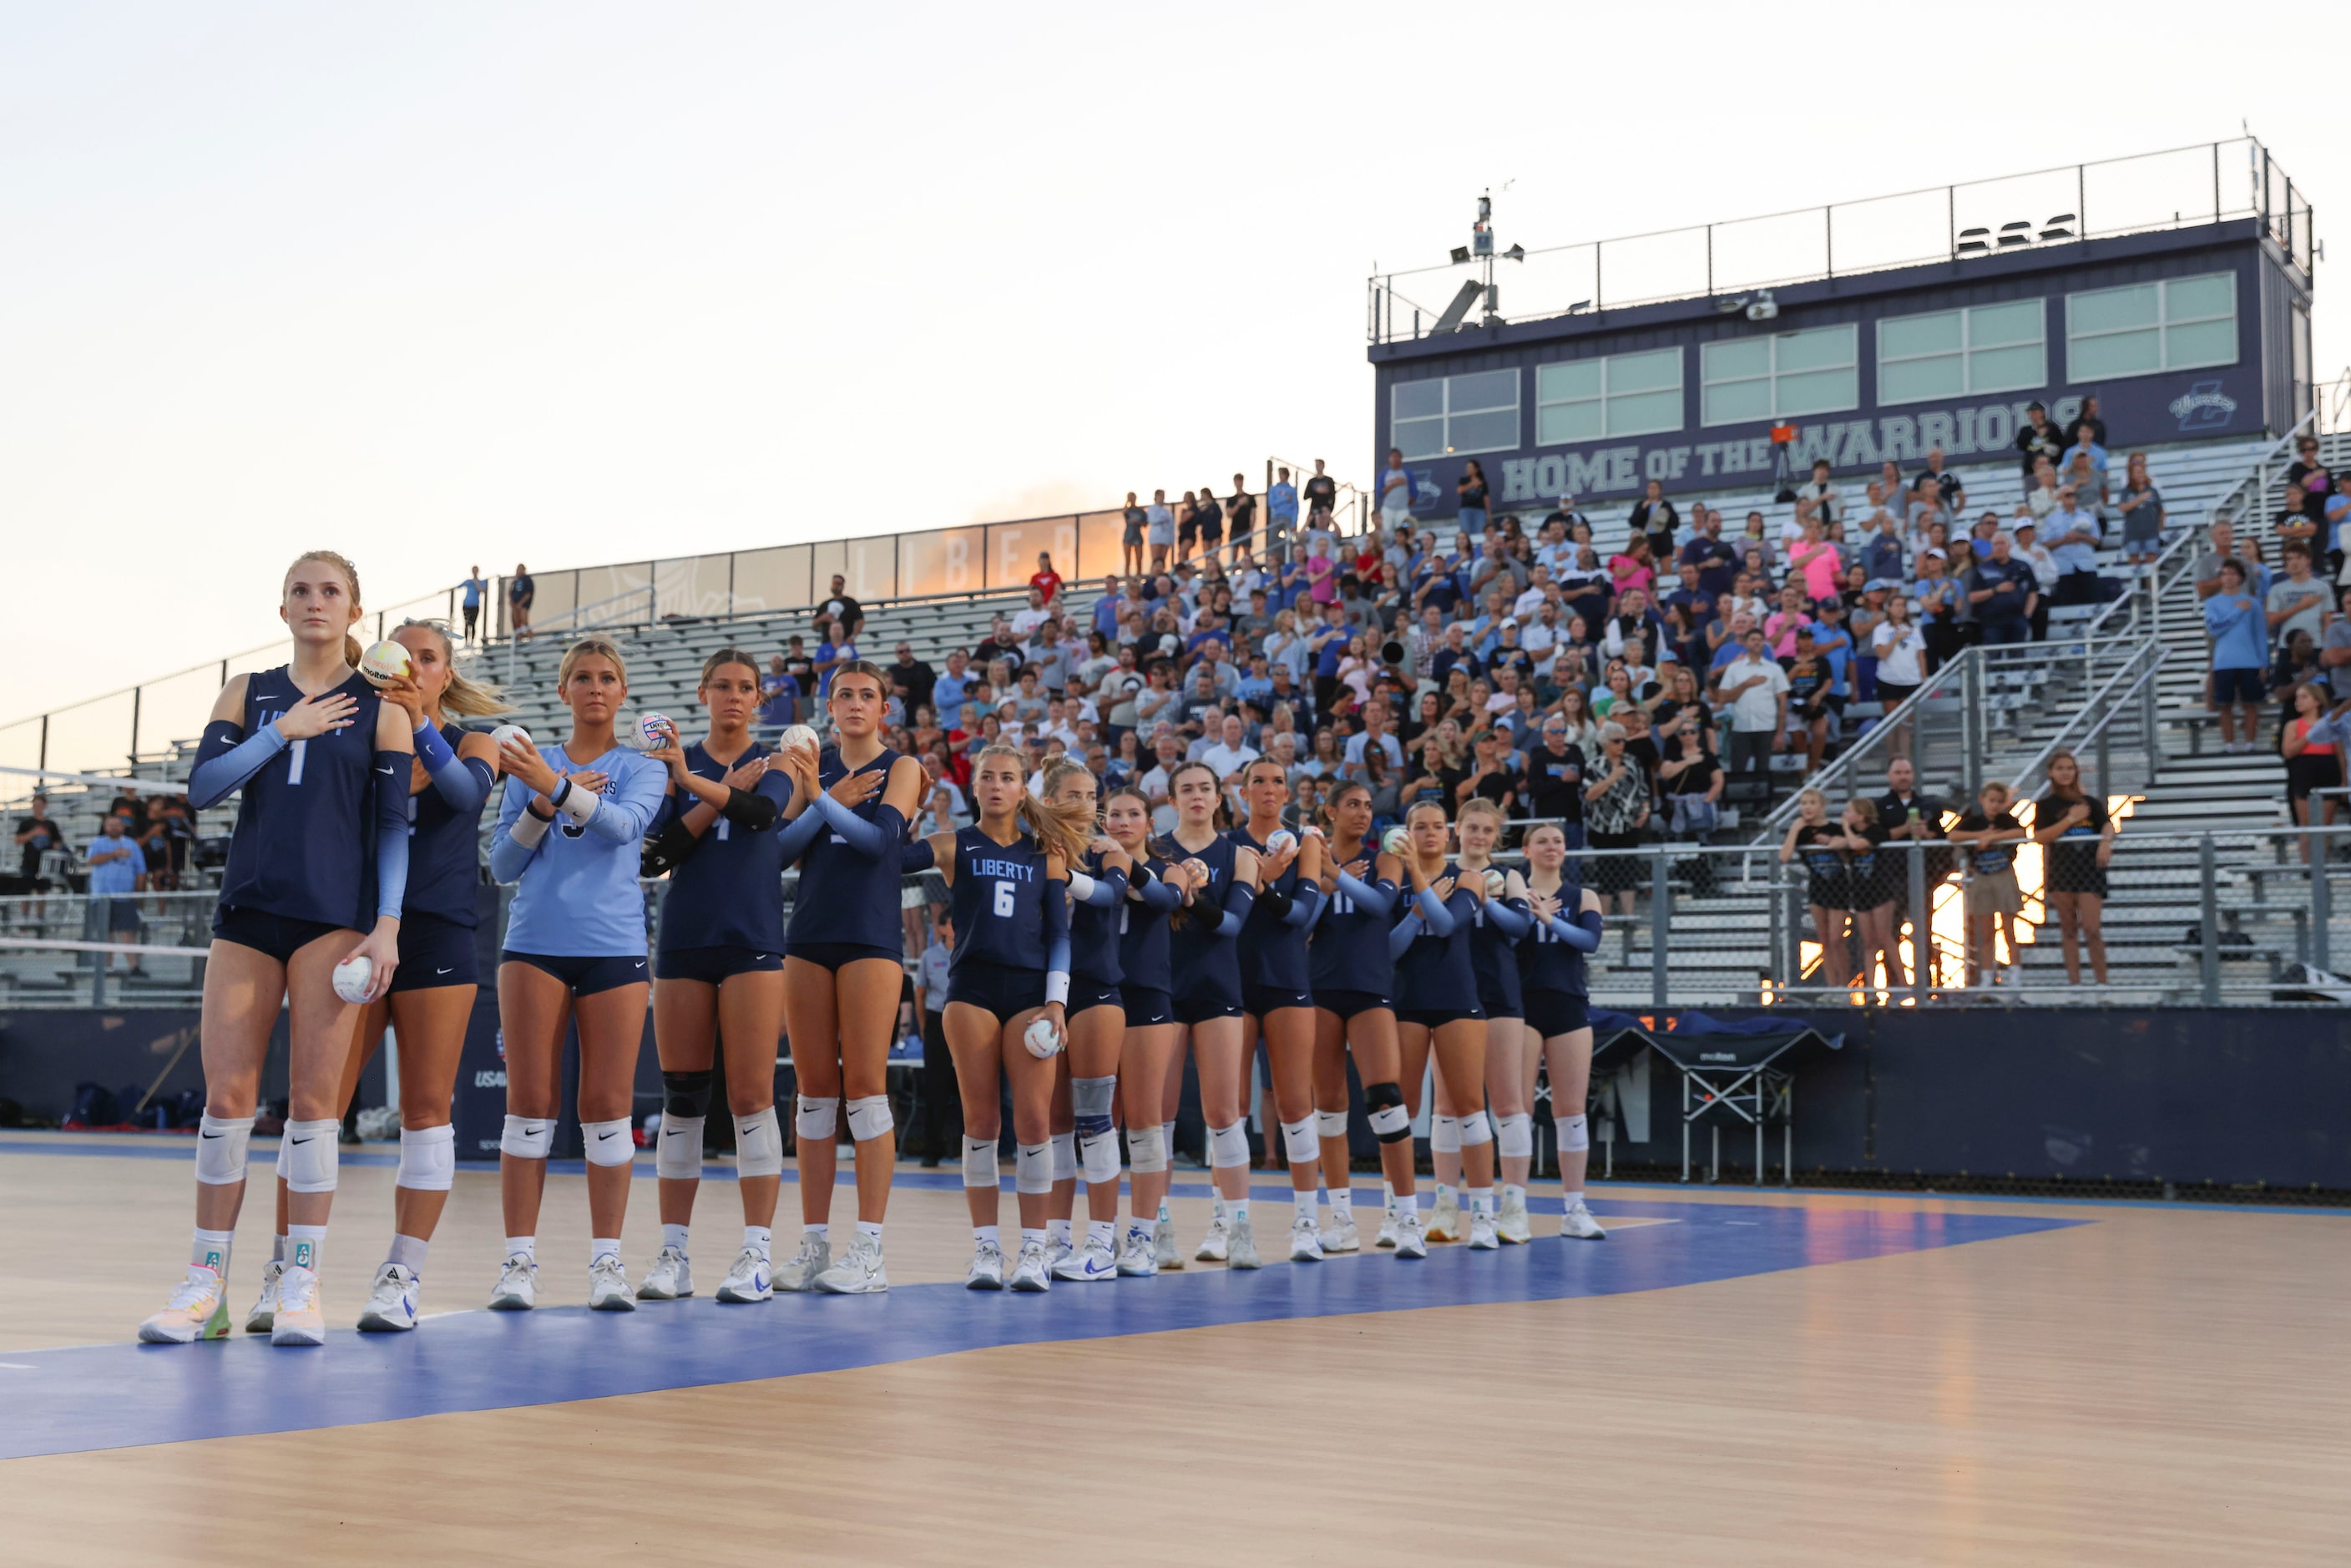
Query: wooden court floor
{"points": [[1733, 1377]]}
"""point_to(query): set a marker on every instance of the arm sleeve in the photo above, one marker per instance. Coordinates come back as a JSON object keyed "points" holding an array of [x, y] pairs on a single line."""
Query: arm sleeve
{"points": [[1156, 894], [227, 756], [1582, 935], [872, 839], [1102, 892], [517, 837], [1434, 914], [1512, 920], [390, 833], [1057, 940], [798, 834], [624, 817], [669, 848], [1373, 897], [915, 854], [1405, 933], [1240, 899], [750, 809], [1304, 906], [465, 785]]}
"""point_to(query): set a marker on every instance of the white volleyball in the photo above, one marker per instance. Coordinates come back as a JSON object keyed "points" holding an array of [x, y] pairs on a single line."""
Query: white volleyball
{"points": [[384, 663], [656, 728], [1041, 1038], [353, 976], [797, 736], [1496, 883], [509, 732], [1395, 840], [1282, 839]]}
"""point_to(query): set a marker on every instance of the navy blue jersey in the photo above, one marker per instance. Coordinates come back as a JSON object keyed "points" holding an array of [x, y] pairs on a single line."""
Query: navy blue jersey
{"points": [[304, 841], [1143, 940], [1350, 950], [844, 896], [1095, 935], [1436, 974], [1273, 953], [444, 852], [1490, 956], [999, 902], [729, 893], [1548, 964], [1206, 965]]}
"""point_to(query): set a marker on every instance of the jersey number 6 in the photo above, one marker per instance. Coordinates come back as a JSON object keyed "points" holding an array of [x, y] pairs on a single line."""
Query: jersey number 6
{"points": [[1004, 898]]}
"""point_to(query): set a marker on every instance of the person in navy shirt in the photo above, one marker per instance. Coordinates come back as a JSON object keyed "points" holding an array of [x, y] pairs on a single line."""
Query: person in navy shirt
{"points": [[1277, 1001], [1438, 1013], [1151, 1060], [1496, 927], [1567, 927]]}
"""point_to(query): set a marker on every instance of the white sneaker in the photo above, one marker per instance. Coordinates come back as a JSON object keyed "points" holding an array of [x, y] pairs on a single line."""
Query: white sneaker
{"points": [[1164, 1253], [1445, 1217], [1213, 1246], [391, 1304], [1387, 1236], [608, 1286], [1343, 1237], [1058, 1252], [1511, 1224], [859, 1272], [1138, 1259], [1577, 1225], [1305, 1241], [196, 1309], [264, 1310], [987, 1268], [517, 1287], [1241, 1244], [1481, 1231], [747, 1281], [1411, 1240], [1092, 1262], [1029, 1274], [799, 1272], [301, 1317], [670, 1278]]}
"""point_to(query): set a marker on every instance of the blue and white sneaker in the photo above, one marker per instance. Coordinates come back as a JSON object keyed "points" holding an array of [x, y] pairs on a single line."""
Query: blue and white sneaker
{"points": [[1092, 1261], [1138, 1259], [391, 1304], [670, 1278], [748, 1279]]}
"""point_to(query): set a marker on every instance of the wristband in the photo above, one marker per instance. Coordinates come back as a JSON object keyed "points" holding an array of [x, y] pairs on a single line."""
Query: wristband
{"points": [[575, 803], [1056, 986], [529, 828], [1082, 886]]}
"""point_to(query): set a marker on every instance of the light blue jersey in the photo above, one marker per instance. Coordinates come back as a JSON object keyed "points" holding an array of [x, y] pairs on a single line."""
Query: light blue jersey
{"points": [[579, 897]]}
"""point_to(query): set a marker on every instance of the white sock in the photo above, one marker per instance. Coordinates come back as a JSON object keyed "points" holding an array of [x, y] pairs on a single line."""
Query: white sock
{"points": [[1342, 1203], [1302, 1204], [305, 1245], [674, 1236], [1571, 1198], [870, 1227], [1102, 1230], [210, 1250], [1406, 1202], [1163, 1210], [757, 1237], [277, 1248], [987, 1233], [1482, 1199], [602, 1246], [1443, 1192], [1217, 1207], [1027, 1236], [523, 1247], [408, 1251], [1512, 1189], [1387, 1196], [1238, 1209], [1057, 1231], [821, 1232]]}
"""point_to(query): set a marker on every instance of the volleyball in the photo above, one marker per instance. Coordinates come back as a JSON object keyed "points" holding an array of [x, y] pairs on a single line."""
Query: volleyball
{"points": [[353, 976], [509, 732], [1044, 1040], [384, 663], [1394, 840], [1496, 883], [1282, 840], [657, 729], [796, 735]]}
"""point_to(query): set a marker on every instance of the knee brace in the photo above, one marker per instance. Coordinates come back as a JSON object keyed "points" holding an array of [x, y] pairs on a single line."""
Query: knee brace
{"points": [[686, 1094], [818, 1119], [1514, 1136], [1574, 1138], [979, 1162], [221, 1143], [1064, 1147], [870, 1118], [1475, 1130], [526, 1137], [1331, 1123], [1444, 1134], [609, 1142], [1229, 1147], [1146, 1150], [1032, 1168], [677, 1154], [428, 1159], [1300, 1141], [306, 1158], [759, 1145], [1391, 1123]]}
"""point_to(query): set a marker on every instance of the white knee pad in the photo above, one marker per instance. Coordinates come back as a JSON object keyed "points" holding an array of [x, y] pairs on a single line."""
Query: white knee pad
{"points": [[1301, 1142], [1065, 1155], [759, 1145], [526, 1138], [678, 1154], [1391, 1123], [609, 1142], [818, 1119], [428, 1159], [979, 1162], [1146, 1150], [870, 1118], [1574, 1138], [1032, 1168], [1444, 1134], [1514, 1136], [221, 1143], [1475, 1130], [1229, 1147], [1331, 1123], [306, 1158]]}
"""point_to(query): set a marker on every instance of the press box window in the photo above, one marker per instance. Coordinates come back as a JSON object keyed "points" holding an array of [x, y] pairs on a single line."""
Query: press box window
{"points": [[1620, 394], [1955, 353], [2177, 324], [1451, 414], [1778, 376]]}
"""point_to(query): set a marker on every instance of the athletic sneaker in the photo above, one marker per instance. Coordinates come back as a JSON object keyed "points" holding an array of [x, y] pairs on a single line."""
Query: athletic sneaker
{"points": [[301, 1318], [196, 1309], [1305, 1241], [1241, 1244], [1138, 1259], [1577, 1225], [264, 1310], [517, 1287], [391, 1304], [799, 1273], [608, 1286], [670, 1278], [1092, 1261], [1445, 1217], [1343, 1237], [858, 1273], [1213, 1245], [1387, 1236], [1512, 1224], [987, 1268], [1058, 1252], [1030, 1273], [1411, 1240], [1481, 1231], [1164, 1250], [747, 1281]]}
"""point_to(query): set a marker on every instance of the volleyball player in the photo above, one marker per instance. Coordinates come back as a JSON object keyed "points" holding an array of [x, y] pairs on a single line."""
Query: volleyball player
{"points": [[1438, 1009], [319, 855], [1154, 892], [569, 832], [1495, 931], [1354, 1009], [1008, 876], [844, 967], [719, 968], [1085, 1085], [1821, 845], [1568, 924], [1220, 889], [1276, 1001]]}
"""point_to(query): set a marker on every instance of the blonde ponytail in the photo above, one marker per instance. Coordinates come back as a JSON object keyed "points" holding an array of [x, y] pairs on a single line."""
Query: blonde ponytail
{"points": [[462, 697]]}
